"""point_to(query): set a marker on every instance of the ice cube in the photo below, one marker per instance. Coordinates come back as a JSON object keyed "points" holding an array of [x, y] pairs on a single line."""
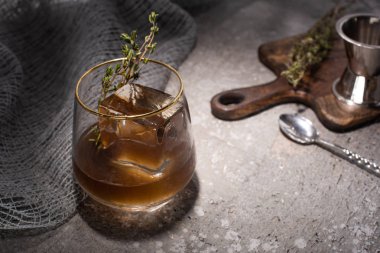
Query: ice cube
{"points": [[131, 100]]}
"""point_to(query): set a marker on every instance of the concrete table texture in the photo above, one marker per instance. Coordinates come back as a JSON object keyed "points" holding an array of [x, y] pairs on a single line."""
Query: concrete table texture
{"points": [[254, 190]]}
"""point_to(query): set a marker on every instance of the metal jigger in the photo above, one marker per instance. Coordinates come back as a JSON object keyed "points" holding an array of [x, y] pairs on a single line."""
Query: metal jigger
{"points": [[360, 82]]}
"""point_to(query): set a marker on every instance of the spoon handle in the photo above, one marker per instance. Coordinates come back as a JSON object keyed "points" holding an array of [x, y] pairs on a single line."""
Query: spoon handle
{"points": [[350, 156]]}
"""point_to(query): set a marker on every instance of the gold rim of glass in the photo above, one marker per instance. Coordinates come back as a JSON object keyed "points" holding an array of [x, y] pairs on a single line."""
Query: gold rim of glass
{"points": [[174, 101]]}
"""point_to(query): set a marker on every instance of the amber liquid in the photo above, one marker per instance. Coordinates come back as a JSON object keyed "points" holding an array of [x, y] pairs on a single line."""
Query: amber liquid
{"points": [[112, 175]]}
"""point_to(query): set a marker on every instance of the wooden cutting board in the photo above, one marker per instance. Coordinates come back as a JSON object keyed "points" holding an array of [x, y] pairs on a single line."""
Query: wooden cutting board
{"points": [[316, 92]]}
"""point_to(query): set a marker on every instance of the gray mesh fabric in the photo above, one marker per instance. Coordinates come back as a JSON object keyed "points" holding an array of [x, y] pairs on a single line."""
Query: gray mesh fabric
{"points": [[44, 48]]}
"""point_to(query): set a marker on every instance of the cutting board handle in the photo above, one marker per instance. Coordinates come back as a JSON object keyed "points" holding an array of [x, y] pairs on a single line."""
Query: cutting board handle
{"points": [[239, 103]]}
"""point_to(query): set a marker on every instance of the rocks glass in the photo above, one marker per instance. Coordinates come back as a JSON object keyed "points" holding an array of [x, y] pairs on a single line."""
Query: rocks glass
{"points": [[135, 151]]}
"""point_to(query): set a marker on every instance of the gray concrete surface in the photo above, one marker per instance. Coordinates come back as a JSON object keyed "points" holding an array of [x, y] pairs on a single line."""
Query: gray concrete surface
{"points": [[254, 190]]}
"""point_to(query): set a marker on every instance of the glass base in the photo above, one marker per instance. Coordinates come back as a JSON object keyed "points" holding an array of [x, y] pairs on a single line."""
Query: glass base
{"points": [[132, 208]]}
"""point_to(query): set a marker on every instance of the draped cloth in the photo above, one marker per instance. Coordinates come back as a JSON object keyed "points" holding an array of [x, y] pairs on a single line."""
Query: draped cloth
{"points": [[45, 46]]}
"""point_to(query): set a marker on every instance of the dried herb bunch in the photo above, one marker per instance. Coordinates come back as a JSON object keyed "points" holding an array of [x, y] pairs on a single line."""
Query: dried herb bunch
{"points": [[128, 71], [311, 49]]}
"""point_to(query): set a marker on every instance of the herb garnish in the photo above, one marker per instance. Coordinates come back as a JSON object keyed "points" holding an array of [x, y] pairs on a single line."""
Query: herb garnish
{"points": [[128, 71], [133, 56]]}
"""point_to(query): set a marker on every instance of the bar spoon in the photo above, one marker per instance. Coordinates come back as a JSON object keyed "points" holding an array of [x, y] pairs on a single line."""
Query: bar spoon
{"points": [[302, 130]]}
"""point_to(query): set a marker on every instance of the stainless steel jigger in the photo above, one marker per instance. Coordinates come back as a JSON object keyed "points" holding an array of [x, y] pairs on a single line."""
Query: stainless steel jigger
{"points": [[360, 82]]}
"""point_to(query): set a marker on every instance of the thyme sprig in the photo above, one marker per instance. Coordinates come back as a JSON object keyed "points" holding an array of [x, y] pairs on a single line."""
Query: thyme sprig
{"points": [[129, 69], [311, 49], [134, 54]]}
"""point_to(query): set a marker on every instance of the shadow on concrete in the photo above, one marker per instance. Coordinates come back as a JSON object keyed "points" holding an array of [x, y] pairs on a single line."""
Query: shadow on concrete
{"points": [[121, 225]]}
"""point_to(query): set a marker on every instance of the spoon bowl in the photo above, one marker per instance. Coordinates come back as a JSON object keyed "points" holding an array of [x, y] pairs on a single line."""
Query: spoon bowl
{"points": [[298, 128]]}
